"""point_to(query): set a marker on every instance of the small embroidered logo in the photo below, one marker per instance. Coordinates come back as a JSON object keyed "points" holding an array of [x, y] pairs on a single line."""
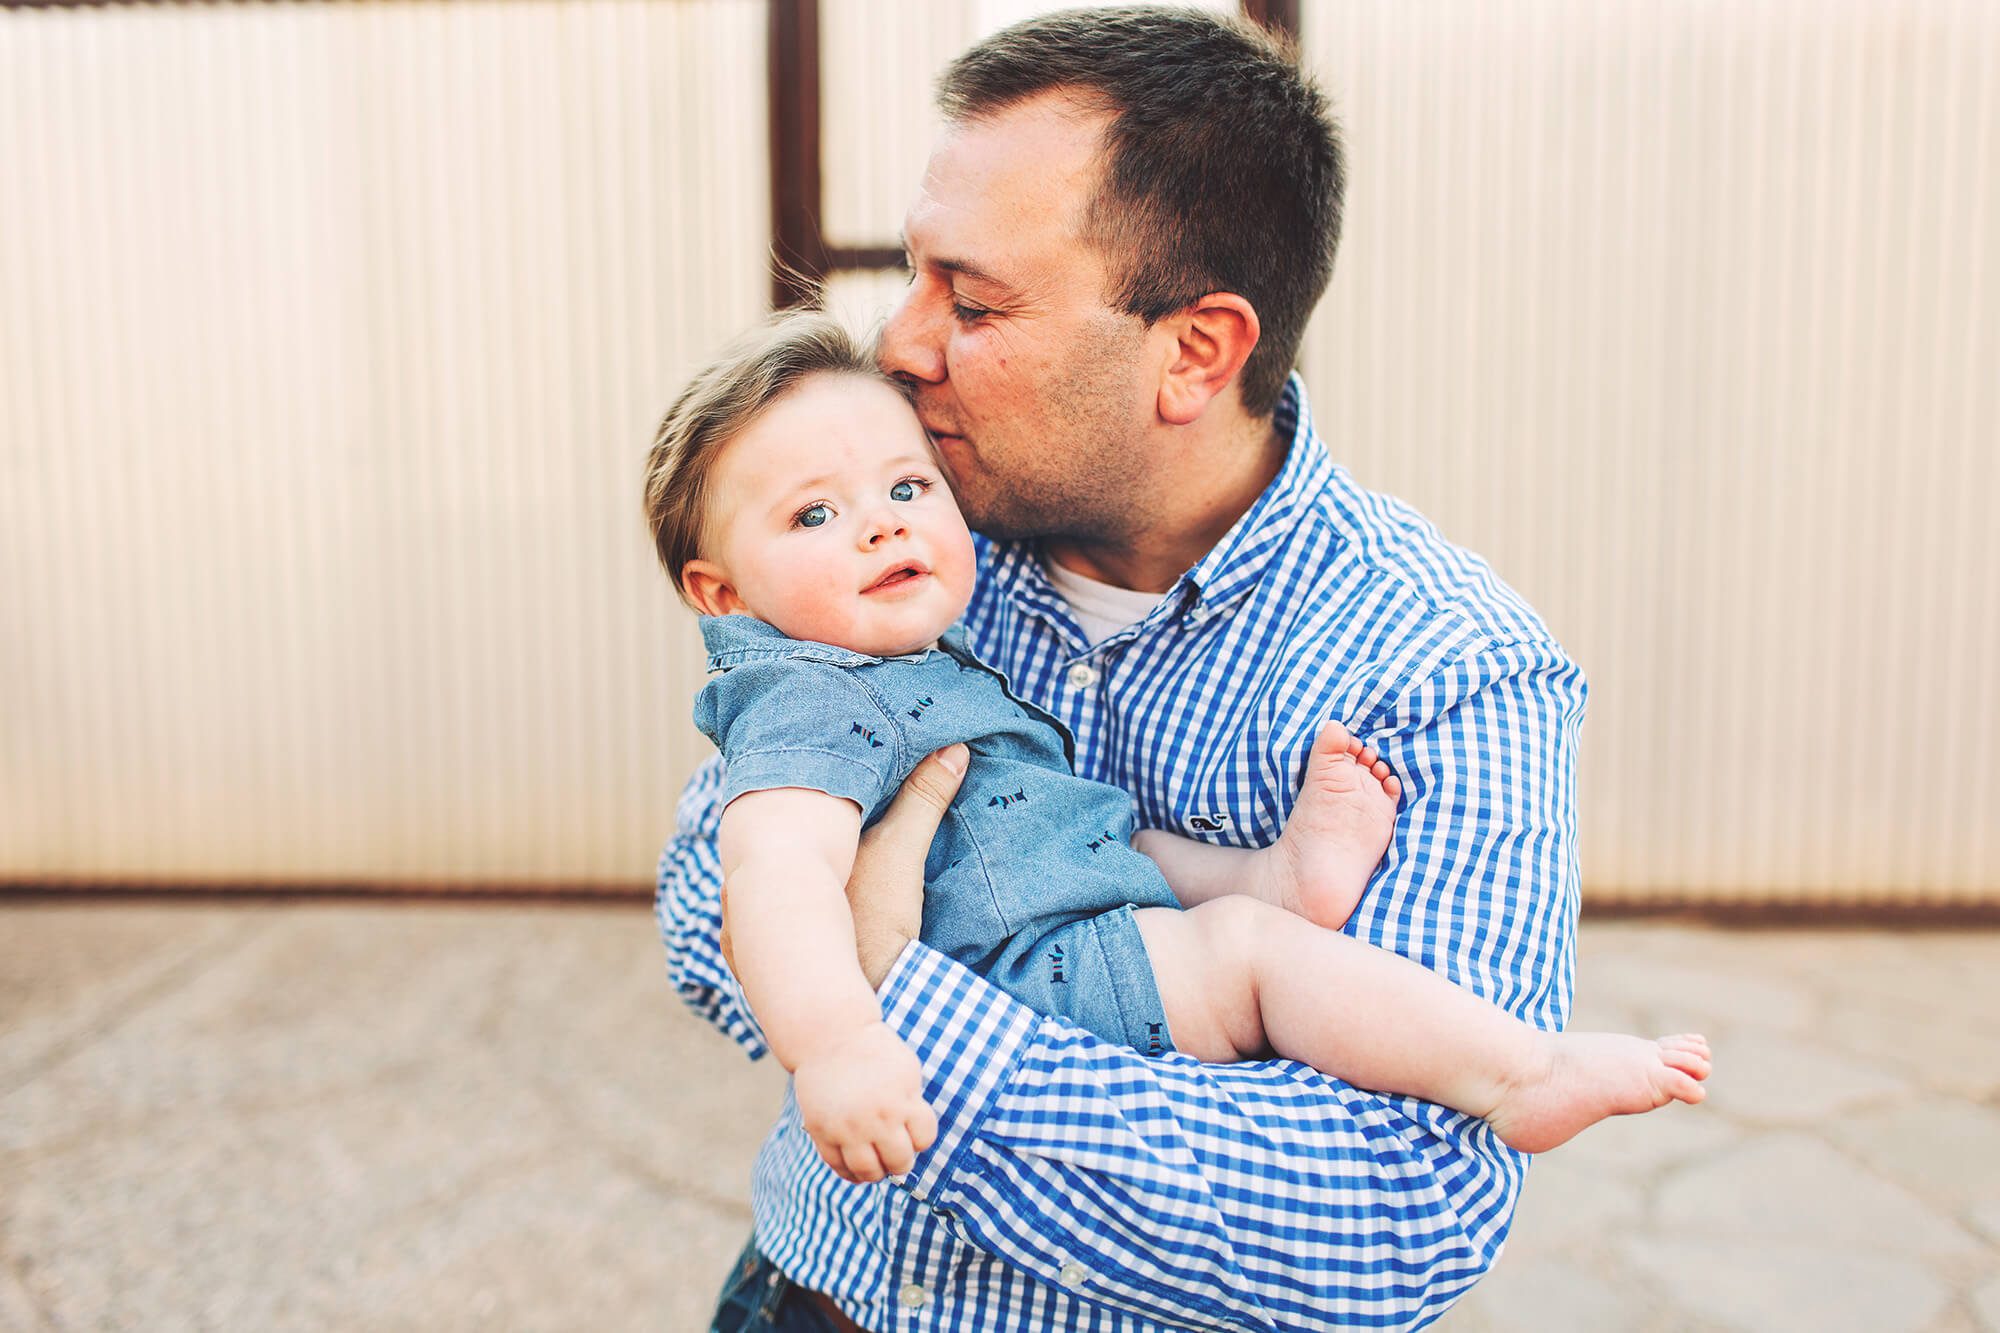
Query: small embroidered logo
{"points": [[1214, 823], [866, 734], [1105, 841], [1004, 801], [1156, 1043], [1056, 965], [918, 711]]}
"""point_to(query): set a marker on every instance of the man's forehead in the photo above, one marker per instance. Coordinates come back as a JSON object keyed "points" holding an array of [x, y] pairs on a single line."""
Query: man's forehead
{"points": [[998, 180]]}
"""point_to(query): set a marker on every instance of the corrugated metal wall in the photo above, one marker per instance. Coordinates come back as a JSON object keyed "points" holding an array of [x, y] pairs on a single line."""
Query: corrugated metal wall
{"points": [[331, 337], [1686, 316], [335, 335]]}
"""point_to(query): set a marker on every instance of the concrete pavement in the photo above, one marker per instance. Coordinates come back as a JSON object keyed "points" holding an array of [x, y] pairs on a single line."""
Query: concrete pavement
{"points": [[320, 1116]]}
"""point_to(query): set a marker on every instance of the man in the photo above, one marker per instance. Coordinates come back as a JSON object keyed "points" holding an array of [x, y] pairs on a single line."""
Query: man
{"points": [[1113, 254]]}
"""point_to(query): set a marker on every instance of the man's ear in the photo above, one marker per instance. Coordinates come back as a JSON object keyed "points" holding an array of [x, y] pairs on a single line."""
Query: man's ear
{"points": [[709, 588], [1212, 339]]}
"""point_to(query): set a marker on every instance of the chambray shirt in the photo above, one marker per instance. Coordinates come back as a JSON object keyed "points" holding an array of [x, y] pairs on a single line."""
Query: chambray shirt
{"points": [[1033, 866], [1077, 1184]]}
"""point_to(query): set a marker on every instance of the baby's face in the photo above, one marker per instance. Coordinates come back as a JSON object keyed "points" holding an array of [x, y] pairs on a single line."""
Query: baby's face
{"points": [[830, 519]]}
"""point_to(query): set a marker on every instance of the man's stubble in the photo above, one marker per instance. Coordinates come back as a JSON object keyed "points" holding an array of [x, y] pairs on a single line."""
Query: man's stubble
{"points": [[1088, 475]]}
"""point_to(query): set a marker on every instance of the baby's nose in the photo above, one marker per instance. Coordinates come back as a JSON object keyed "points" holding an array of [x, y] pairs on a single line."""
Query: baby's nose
{"points": [[881, 529]]}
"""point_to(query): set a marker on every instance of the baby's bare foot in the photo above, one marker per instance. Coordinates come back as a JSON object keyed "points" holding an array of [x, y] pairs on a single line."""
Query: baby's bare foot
{"points": [[1588, 1076], [1338, 831]]}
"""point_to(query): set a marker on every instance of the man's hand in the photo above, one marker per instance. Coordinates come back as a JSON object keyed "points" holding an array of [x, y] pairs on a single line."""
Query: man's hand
{"points": [[885, 891], [861, 1099]]}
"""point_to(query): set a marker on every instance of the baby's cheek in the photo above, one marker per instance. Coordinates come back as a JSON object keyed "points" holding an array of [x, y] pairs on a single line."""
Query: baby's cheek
{"points": [[959, 569], [827, 605]]}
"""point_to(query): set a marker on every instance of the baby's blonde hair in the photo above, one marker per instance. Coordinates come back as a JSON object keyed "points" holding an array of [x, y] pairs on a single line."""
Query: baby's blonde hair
{"points": [[719, 403]]}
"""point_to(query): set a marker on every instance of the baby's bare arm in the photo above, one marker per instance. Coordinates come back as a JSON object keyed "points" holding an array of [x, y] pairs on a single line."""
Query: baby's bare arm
{"points": [[786, 854]]}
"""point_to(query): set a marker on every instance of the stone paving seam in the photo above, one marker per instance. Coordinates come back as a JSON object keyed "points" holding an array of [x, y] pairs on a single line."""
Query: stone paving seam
{"points": [[113, 1015], [157, 1121], [631, 1164], [1952, 1214], [18, 1306], [508, 1166]]}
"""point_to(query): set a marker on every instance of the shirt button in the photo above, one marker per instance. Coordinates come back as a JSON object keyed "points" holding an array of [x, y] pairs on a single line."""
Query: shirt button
{"points": [[1082, 676], [912, 1295], [1072, 1276]]}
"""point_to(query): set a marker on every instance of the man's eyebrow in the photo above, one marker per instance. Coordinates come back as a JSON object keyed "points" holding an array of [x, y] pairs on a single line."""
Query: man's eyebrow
{"points": [[964, 266]]}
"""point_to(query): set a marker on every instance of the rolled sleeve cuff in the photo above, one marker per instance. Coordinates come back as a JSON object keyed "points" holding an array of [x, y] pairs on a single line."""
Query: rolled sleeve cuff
{"points": [[969, 1035], [817, 770]]}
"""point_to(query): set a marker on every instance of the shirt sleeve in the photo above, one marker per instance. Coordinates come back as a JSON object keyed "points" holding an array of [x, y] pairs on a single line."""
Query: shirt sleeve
{"points": [[1267, 1195], [687, 899], [792, 722], [1481, 881]]}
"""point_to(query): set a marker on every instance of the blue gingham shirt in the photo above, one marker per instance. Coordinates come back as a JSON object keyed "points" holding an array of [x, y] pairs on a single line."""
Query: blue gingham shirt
{"points": [[1076, 1184]]}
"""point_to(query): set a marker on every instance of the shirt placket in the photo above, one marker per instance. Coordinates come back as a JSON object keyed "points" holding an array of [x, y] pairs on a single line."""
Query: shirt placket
{"points": [[921, 1295]]}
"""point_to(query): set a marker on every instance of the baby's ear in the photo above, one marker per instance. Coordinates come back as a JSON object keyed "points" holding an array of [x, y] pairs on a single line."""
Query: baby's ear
{"points": [[709, 589]]}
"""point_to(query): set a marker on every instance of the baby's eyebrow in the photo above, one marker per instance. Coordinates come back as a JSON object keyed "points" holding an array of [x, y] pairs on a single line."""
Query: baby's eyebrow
{"points": [[795, 489], [786, 500]]}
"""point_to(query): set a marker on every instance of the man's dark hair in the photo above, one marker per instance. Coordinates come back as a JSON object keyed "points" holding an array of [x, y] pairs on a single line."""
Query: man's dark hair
{"points": [[1222, 166]]}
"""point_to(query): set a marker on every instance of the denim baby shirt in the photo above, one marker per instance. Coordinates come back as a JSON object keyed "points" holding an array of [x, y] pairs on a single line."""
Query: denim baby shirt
{"points": [[1032, 877]]}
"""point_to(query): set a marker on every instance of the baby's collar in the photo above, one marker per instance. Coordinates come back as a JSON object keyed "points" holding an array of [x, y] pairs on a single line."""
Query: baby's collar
{"points": [[733, 640]]}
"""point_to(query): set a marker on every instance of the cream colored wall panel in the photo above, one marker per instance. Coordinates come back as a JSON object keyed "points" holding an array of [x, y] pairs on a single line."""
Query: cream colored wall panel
{"points": [[1683, 315], [331, 338], [336, 335], [879, 60]]}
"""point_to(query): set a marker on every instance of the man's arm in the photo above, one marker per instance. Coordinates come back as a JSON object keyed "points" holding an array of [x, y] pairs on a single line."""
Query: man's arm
{"points": [[1261, 1196], [688, 904], [1267, 1195]]}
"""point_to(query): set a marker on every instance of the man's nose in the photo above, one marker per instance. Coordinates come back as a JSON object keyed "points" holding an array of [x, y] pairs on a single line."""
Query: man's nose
{"points": [[912, 345]]}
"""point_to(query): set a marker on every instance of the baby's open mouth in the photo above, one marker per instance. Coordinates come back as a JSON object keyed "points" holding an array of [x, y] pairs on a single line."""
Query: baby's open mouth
{"points": [[897, 577]]}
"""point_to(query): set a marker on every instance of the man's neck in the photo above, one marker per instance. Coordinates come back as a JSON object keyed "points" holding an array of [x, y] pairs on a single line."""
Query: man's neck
{"points": [[1209, 484]]}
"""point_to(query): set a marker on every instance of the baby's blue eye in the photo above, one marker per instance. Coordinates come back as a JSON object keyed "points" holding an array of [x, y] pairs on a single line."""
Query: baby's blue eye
{"points": [[813, 517], [903, 490]]}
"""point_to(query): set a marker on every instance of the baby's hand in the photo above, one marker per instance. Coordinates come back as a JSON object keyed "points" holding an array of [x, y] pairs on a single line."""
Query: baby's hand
{"points": [[861, 1100]]}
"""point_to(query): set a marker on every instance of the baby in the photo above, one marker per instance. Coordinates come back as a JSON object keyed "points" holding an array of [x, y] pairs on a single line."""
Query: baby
{"points": [[797, 503]]}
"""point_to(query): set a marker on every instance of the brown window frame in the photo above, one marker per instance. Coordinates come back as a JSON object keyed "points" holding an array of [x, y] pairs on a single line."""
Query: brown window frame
{"points": [[801, 257]]}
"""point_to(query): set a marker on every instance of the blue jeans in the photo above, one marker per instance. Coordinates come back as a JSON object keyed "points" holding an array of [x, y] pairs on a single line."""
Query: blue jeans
{"points": [[757, 1298]]}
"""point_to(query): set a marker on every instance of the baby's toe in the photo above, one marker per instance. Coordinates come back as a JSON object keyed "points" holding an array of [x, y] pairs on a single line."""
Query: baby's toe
{"points": [[1334, 738], [1695, 1063], [1682, 1087]]}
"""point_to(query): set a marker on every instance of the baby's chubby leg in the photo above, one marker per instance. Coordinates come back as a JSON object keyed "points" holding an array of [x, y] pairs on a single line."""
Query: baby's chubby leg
{"points": [[1241, 978]]}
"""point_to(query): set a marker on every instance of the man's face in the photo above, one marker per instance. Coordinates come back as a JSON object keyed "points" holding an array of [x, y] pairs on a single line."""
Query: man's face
{"points": [[1036, 391], [830, 519]]}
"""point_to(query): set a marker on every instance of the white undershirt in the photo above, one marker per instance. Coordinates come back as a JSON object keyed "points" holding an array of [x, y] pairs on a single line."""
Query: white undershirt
{"points": [[1100, 608]]}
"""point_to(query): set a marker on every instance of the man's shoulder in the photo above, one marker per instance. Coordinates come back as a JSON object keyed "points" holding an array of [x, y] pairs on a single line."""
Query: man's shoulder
{"points": [[1375, 552]]}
